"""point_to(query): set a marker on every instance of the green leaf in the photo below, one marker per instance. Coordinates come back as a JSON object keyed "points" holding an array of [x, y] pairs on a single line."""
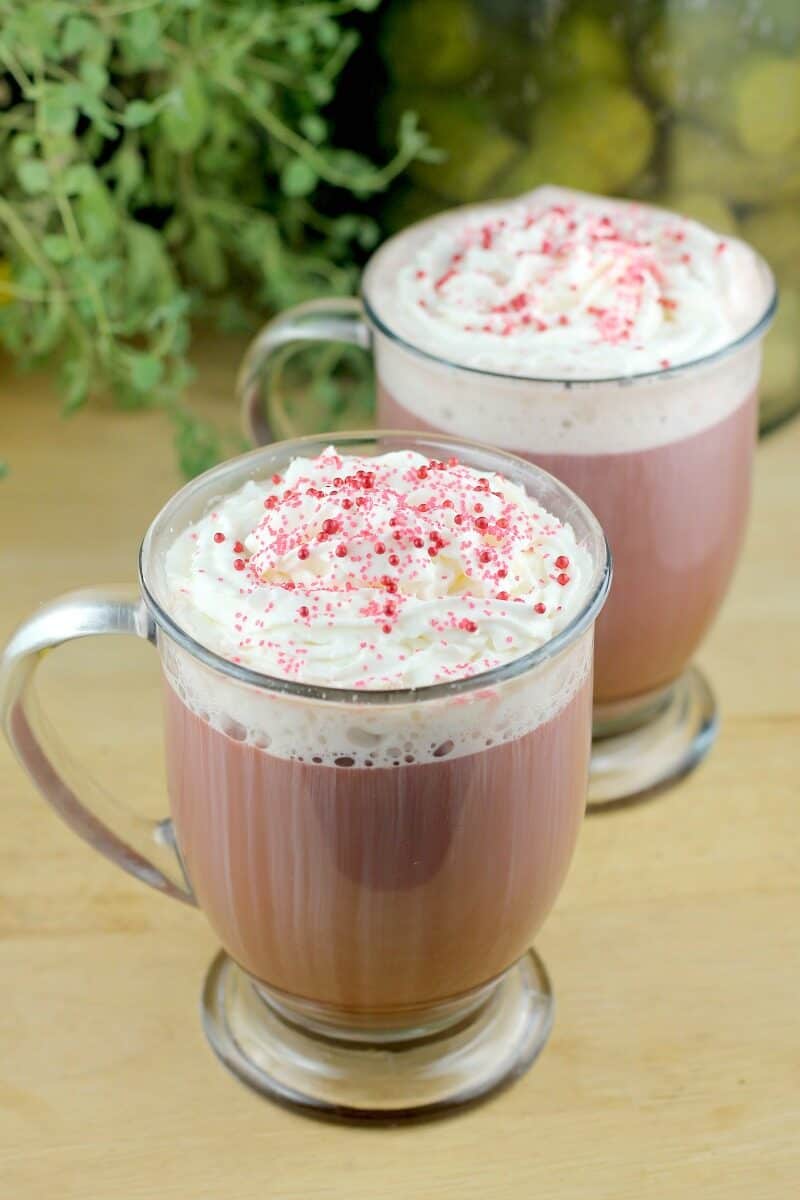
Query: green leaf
{"points": [[33, 176], [206, 259], [144, 29], [23, 146], [139, 113], [4, 468], [185, 114], [78, 179], [127, 168], [327, 33], [49, 327], [75, 382], [78, 33], [320, 88], [97, 218], [94, 76], [314, 127], [298, 42], [58, 116], [57, 247], [368, 234], [298, 178], [146, 372]]}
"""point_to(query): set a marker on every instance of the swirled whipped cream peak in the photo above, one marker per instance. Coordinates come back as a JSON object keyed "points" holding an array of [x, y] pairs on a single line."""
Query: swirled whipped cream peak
{"points": [[563, 284], [376, 572]]}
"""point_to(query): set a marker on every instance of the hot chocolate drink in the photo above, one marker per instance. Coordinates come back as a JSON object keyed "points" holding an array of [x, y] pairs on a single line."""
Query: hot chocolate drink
{"points": [[557, 326], [378, 860], [377, 677]]}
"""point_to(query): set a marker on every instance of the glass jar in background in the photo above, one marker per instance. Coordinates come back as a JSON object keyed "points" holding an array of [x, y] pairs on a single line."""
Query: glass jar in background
{"points": [[691, 104]]}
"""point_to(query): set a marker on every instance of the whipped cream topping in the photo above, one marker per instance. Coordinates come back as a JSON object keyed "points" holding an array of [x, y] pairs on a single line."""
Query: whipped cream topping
{"points": [[563, 284], [376, 572]]}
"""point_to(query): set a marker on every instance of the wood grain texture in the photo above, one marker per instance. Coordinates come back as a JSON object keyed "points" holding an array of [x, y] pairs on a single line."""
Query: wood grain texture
{"points": [[674, 1068]]}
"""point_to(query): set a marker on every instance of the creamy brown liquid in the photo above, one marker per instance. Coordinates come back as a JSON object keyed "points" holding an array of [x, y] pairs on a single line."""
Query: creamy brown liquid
{"points": [[674, 517], [374, 891]]}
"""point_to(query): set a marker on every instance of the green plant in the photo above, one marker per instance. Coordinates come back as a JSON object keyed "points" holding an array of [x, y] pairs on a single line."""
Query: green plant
{"points": [[166, 158]]}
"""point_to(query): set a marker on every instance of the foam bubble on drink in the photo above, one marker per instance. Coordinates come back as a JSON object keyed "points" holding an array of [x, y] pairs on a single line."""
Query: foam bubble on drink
{"points": [[356, 734], [552, 294]]}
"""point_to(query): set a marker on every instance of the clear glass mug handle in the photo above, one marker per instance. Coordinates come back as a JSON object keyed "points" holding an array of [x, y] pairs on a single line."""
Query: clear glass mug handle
{"points": [[333, 320], [143, 847]]}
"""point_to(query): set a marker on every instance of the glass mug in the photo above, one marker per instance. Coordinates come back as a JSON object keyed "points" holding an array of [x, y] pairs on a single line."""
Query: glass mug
{"points": [[375, 864], [674, 508]]}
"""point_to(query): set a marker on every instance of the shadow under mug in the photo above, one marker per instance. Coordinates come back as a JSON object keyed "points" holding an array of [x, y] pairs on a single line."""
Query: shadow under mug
{"points": [[663, 459], [375, 864]]}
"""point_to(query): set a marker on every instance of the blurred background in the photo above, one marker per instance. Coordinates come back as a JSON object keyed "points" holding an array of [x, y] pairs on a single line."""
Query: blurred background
{"points": [[171, 168]]}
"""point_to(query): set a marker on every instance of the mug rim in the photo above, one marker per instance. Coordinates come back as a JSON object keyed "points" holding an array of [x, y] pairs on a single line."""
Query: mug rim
{"points": [[584, 619], [752, 333]]}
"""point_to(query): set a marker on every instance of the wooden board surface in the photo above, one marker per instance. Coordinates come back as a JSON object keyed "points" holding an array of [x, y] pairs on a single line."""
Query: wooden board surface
{"points": [[674, 1067]]}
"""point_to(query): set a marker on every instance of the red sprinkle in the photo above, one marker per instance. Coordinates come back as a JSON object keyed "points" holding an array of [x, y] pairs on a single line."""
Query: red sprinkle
{"points": [[467, 625], [481, 523], [238, 548], [219, 537], [329, 525], [238, 564], [270, 502], [539, 608], [302, 611], [562, 562], [563, 579], [341, 551], [502, 595], [276, 479], [393, 560], [386, 628], [303, 552], [380, 548]]}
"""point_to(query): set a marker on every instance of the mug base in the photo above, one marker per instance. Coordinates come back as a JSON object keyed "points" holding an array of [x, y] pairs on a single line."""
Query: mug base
{"points": [[641, 749], [378, 1074]]}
